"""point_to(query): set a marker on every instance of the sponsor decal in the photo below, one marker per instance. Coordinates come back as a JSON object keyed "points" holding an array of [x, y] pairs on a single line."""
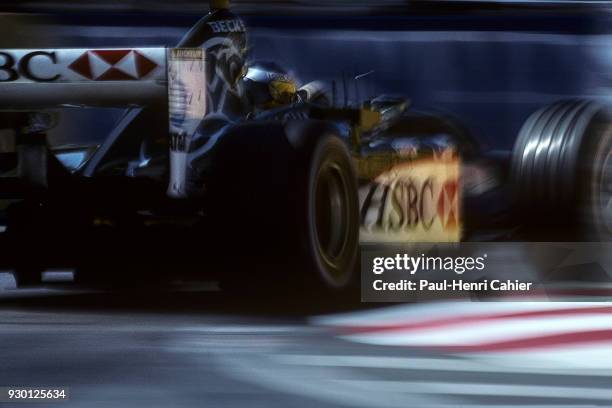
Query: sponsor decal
{"points": [[448, 205], [187, 54], [227, 26], [413, 201], [187, 105], [67, 65], [113, 65], [13, 69]]}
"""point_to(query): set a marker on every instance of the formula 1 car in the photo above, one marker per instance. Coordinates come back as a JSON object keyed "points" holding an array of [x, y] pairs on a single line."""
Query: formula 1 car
{"points": [[230, 168]]}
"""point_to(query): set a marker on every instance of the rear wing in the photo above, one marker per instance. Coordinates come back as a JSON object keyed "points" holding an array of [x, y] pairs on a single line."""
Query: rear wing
{"points": [[37, 79], [41, 79]]}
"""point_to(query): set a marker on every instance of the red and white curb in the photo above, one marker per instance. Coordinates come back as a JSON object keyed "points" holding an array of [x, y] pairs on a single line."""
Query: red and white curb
{"points": [[564, 329]]}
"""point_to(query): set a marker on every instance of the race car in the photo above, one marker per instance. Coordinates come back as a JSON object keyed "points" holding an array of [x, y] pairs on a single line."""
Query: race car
{"points": [[229, 168]]}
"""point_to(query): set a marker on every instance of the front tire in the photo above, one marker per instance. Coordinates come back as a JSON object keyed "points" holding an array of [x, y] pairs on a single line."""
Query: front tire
{"points": [[595, 188], [562, 172]]}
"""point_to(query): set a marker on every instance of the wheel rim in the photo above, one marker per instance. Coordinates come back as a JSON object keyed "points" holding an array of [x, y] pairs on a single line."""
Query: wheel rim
{"points": [[332, 218]]}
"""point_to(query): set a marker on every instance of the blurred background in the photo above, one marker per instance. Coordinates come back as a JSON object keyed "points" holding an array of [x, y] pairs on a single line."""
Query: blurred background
{"points": [[490, 63]]}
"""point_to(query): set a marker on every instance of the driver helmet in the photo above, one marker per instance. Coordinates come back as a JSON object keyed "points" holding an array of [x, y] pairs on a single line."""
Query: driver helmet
{"points": [[269, 86]]}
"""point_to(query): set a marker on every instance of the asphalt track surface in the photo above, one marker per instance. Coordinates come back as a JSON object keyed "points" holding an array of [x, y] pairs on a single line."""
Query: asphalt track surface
{"points": [[193, 346]]}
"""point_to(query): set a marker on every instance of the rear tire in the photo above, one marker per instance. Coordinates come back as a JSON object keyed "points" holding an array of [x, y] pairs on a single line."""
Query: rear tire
{"points": [[26, 276], [26, 234], [332, 216], [303, 231]]}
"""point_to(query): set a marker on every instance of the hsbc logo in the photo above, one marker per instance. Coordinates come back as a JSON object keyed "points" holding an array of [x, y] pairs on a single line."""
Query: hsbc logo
{"points": [[448, 205], [64, 65], [113, 65], [13, 68], [403, 202]]}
